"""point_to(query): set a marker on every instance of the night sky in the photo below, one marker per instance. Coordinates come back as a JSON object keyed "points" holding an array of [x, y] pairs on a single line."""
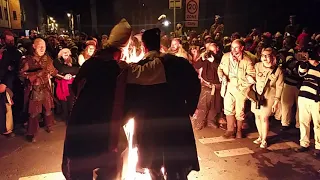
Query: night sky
{"points": [[59, 8], [273, 13]]}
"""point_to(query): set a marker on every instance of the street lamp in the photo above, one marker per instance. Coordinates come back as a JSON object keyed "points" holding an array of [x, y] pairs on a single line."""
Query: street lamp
{"points": [[71, 23], [51, 18], [166, 23]]}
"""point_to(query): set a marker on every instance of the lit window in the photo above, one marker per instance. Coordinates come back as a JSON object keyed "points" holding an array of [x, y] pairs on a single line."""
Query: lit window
{"points": [[6, 13], [1, 17], [15, 15]]}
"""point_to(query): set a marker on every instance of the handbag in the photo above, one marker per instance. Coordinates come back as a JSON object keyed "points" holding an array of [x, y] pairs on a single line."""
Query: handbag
{"points": [[254, 96]]}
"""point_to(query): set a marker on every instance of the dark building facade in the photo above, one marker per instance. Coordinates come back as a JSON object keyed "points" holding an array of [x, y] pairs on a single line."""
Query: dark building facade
{"points": [[239, 16], [33, 15]]}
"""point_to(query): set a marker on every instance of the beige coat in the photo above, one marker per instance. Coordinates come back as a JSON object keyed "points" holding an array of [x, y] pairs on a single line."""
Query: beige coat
{"points": [[274, 88], [269, 85], [246, 68]]}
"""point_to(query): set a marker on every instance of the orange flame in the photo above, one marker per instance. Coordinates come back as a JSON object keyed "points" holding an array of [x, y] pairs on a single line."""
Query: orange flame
{"points": [[131, 169], [130, 53]]}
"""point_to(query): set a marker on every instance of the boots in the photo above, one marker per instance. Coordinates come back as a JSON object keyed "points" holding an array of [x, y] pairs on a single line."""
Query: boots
{"points": [[230, 127], [239, 129], [49, 121], [33, 125]]}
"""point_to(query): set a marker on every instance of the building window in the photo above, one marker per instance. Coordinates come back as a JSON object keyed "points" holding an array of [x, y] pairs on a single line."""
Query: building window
{"points": [[6, 13], [15, 15], [1, 17]]}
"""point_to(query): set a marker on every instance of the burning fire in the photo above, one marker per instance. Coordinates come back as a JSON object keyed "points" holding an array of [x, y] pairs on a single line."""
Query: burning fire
{"points": [[130, 171], [131, 53]]}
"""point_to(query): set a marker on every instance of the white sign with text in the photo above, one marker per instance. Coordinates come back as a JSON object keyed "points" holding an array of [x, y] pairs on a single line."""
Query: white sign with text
{"points": [[192, 10]]}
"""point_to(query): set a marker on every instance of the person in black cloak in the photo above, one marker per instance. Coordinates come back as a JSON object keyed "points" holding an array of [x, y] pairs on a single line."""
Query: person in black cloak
{"points": [[162, 92], [94, 123], [88, 134]]}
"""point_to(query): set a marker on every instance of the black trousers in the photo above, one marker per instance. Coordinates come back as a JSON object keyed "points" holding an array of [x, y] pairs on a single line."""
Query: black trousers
{"points": [[66, 106]]}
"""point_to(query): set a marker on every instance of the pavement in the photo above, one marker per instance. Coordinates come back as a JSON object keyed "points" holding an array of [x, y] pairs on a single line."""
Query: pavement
{"points": [[220, 159]]}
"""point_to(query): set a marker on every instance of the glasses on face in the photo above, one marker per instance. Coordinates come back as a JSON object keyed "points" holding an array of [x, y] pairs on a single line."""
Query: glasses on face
{"points": [[235, 48], [266, 56]]}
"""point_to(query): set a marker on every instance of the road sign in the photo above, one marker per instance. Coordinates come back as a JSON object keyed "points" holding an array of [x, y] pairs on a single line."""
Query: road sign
{"points": [[192, 10], [178, 4], [192, 13], [191, 24]]}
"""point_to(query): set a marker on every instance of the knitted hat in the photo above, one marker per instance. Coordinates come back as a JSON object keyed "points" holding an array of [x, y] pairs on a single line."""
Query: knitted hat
{"points": [[120, 34]]}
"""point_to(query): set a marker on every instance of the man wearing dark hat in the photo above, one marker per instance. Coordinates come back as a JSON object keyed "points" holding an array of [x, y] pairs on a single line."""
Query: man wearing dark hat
{"points": [[162, 93], [292, 29]]}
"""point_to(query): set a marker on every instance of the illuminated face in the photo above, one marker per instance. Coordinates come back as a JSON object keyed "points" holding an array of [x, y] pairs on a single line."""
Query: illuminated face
{"points": [[65, 55], [9, 40], [33, 34], [68, 41], [236, 49], [212, 47], [194, 51], [194, 41], [39, 47], [267, 58], [218, 36], [175, 45], [91, 50]]}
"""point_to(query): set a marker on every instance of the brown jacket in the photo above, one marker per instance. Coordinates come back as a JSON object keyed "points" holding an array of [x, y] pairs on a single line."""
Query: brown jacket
{"points": [[246, 68]]}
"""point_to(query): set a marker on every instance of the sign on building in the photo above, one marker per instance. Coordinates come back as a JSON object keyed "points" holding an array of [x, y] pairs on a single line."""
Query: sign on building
{"points": [[192, 13], [178, 4]]}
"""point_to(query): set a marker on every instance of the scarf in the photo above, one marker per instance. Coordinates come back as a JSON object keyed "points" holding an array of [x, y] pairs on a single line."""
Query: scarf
{"points": [[62, 90]]}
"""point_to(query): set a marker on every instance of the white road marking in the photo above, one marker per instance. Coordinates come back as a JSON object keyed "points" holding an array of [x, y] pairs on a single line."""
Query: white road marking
{"points": [[233, 152], [256, 135], [49, 176], [282, 146], [214, 140]]}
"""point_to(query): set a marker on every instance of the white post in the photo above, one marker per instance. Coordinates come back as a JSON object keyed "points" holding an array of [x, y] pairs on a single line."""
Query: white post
{"points": [[94, 16], [72, 25]]}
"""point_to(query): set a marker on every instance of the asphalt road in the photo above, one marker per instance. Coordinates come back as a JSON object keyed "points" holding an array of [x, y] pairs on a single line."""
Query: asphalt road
{"points": [[219, 159]]}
